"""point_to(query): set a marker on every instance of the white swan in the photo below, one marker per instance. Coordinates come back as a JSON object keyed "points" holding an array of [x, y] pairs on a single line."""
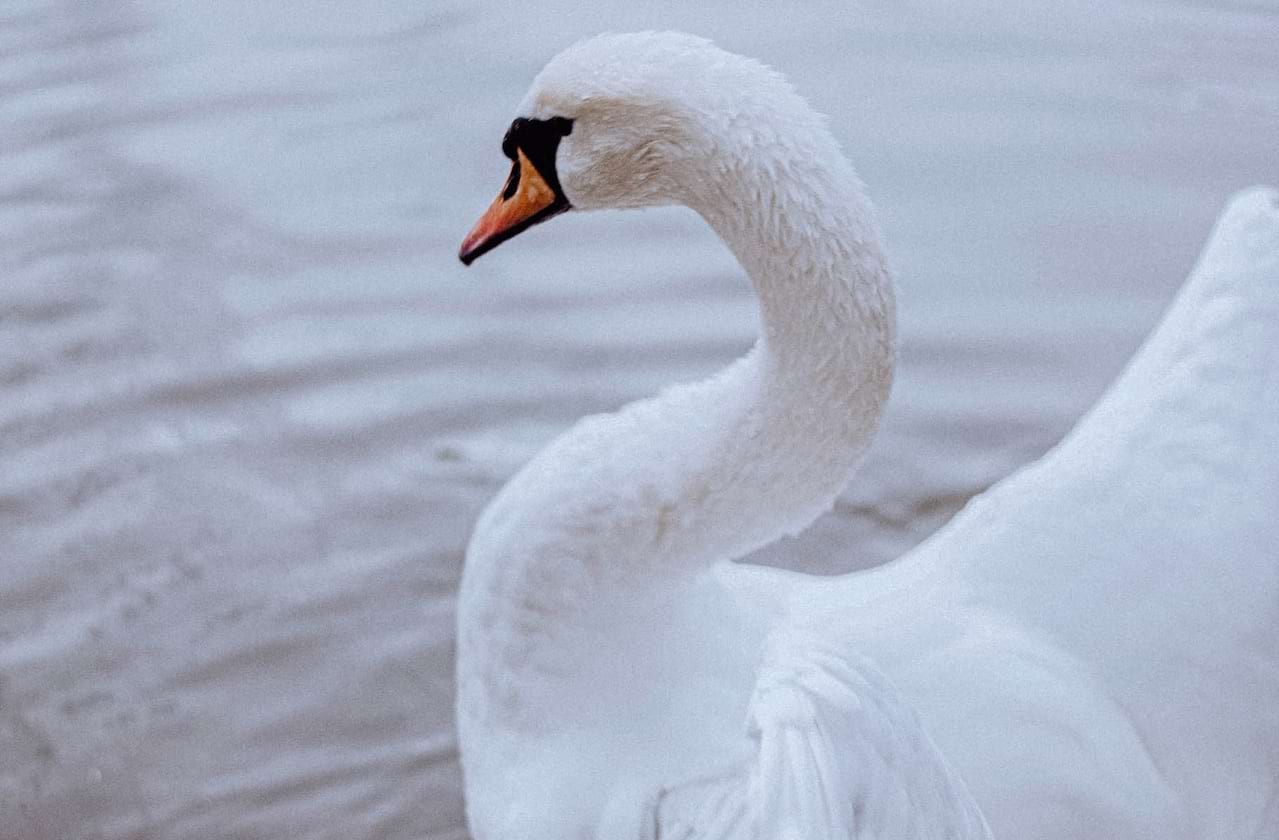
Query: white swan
{"points": [[1089, 650]]}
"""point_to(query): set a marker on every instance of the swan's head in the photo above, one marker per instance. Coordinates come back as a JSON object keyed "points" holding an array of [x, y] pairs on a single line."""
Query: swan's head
{"points": [[634, 120]]}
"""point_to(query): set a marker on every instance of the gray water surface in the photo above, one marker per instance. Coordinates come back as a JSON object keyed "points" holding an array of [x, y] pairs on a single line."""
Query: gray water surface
{"points": [[250, 403]]}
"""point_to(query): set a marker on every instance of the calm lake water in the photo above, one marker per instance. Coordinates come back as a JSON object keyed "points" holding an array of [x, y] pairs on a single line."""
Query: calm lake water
{"points": [[250, 403]]}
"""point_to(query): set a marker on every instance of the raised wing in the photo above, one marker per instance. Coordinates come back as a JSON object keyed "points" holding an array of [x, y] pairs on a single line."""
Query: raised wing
{"points": [[1145, 547]]}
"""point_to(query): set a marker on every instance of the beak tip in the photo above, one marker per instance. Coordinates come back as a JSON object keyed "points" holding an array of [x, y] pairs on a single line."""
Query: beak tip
{"points": [[470, 250]]}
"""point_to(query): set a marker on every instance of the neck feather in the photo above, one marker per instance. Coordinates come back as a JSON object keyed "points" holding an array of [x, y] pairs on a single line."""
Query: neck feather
{"points": [[809, 397], [614, 514]]}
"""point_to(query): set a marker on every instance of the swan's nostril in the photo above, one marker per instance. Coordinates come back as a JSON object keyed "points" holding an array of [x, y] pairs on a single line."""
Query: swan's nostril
{"points": [[512, 183]]}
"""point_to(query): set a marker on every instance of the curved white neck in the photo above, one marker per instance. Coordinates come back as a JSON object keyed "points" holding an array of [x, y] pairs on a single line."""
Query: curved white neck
{"points": [[633, 502], [796, 414], [573, 579]]}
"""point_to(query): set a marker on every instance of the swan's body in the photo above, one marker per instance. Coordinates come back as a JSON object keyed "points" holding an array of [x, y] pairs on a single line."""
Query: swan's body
{"points": [[1090, 650]]}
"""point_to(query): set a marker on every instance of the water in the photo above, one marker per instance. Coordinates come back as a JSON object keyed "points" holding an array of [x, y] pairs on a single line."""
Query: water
{"points": [[250, 404]]}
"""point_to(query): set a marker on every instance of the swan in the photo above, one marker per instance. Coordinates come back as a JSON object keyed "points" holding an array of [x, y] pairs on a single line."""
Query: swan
{"points": [[1090, 649]]}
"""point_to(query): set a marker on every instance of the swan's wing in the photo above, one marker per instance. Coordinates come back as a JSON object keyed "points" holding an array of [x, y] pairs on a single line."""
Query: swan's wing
{"points": [[1146, 545], [837, 757], [1154, 526]]}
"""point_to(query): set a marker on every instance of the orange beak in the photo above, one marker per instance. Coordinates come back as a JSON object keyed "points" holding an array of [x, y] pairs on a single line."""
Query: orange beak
{"points": [[526, 200]]}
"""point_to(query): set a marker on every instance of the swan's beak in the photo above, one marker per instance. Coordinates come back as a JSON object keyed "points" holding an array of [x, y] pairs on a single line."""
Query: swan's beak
{"points": [[525, 200]]}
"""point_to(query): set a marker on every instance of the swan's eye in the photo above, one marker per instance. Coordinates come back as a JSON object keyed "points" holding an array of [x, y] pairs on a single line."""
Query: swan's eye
{"points": [[535, 136]]}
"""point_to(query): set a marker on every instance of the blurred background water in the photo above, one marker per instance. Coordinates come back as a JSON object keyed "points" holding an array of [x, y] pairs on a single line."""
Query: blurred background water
{"points": [[250, 403]]}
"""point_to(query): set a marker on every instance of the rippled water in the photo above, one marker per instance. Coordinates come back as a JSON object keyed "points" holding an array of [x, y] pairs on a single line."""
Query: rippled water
{"points": [[250, 403]]}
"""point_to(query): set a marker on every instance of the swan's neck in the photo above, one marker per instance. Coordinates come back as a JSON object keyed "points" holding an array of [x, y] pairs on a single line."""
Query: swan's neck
{"points": [[795, 415], [605, 527]]}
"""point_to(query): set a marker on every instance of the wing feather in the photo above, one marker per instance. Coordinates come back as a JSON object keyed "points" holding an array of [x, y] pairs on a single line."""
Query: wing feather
{"points": [[838, 757]]}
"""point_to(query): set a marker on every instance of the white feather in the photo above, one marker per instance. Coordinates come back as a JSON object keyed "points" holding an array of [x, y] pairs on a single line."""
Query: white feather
{"points": [[1090, 650]]}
